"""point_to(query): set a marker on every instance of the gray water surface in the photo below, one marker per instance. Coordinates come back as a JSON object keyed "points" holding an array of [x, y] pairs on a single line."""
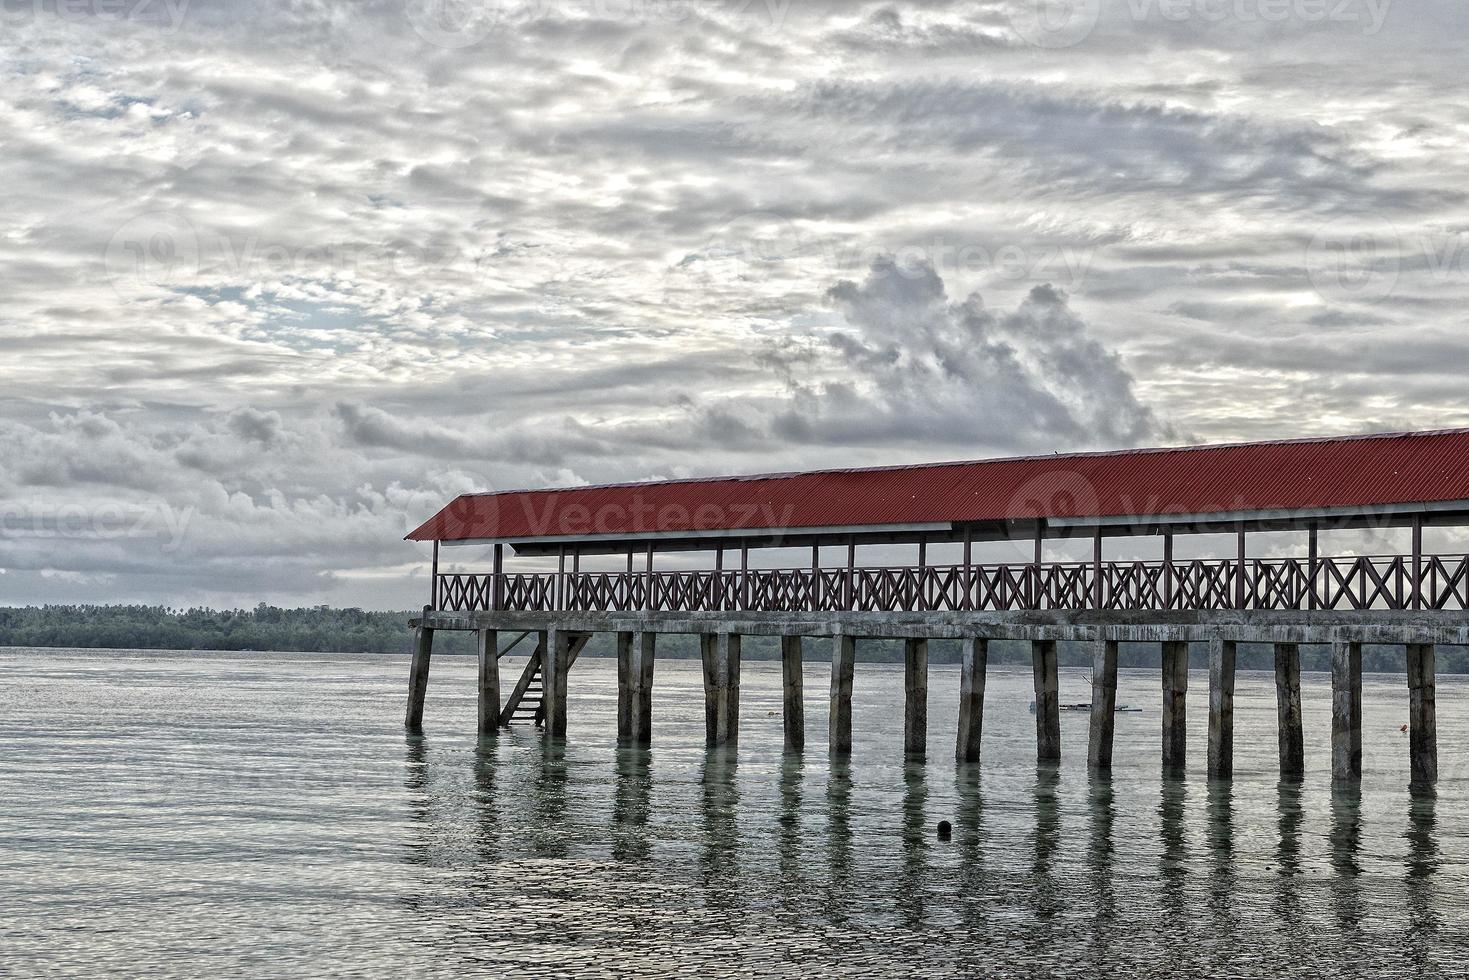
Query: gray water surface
{"points": [[265, 815]]}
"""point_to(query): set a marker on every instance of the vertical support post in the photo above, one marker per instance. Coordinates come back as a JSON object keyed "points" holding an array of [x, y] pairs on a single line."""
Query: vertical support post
{"points": [[1313, 545], [649, 600], [497, 578], [815, 577], [1097, 593], [793, 704], [625, 687], [716, 597], [554, 665], [433, 580], [1104, 705], [1035, 566], [744, 576], [852, 573], [922, 602], [1346, 710], [1288, 711], [1416, 573], [575, 577], [972, 669], [1047, 701], [915, 696], [843, 664], [489, 682], [641, 663], [423, 648], [1175, 714], [1167, 569], [1221, 707], [559, 593], [968, 598], [1422, 726], [1239, 568], [721, 655]]}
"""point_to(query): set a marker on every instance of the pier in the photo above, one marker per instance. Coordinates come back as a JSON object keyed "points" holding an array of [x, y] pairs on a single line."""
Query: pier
{"points": [[1293, 492]]}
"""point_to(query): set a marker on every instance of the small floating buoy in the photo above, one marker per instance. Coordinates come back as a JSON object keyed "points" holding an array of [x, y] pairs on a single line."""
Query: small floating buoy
{"points": [[946, 829]]}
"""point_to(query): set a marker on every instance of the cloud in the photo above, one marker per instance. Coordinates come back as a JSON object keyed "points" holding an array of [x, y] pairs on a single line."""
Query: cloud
{"points": [[910, 364], [252, 425], [304, 271]]}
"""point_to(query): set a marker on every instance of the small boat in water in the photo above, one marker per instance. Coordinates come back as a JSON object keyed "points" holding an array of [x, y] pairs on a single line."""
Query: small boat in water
{"points": [[1121, 709]]}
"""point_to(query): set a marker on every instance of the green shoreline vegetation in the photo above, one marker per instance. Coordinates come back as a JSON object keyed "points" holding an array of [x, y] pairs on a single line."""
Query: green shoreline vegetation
{"points": [[324, 629]]}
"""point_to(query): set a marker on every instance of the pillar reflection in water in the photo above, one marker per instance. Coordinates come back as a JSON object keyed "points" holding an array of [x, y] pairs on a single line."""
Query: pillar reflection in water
{"points": [[1100, 858], [1346, 848], [721, 834], [838, 839], [1047, 838], [548, 801], [486, 810], [1222, 893], [974, 884], [1173, 864], [789, 837], [1422, 865], [910, 890], [415, 780], [630, 805], [1288, 851]]}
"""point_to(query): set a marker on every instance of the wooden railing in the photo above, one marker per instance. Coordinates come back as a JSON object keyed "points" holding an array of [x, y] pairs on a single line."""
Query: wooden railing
{"points": [[1440, 582]]}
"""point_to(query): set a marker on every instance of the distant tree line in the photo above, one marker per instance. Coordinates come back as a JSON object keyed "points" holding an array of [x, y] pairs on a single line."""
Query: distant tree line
{"points": [[316, 629], [323, 629]]}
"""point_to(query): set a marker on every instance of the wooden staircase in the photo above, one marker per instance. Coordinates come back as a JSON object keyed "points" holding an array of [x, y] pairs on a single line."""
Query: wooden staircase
{"points": [[527, 701]]}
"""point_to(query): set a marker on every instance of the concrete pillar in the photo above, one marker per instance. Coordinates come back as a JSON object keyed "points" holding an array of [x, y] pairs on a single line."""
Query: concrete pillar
{"points": [[1346, 711], [624, 687], [721, 655], [843, 664], [1047, 701], [641, 694], [489, 682], [1422, 727], [1175, 711], [794, 705], [1104, 705], [972, 669], [553, 681], [915, 696], [1221, 707], [423, 648], [1288, 711]]}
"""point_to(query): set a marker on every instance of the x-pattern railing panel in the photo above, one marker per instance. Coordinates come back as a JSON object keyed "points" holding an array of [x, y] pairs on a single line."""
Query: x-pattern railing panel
{"points": [[1269, 583]]}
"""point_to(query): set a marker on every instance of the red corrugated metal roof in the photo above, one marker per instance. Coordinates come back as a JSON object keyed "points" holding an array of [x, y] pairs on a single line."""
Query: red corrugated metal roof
{"points": [[1299, 475]]}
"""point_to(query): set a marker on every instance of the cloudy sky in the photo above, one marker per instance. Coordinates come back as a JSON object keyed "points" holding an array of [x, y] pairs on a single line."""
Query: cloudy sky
{"points": [[277, 279]]}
